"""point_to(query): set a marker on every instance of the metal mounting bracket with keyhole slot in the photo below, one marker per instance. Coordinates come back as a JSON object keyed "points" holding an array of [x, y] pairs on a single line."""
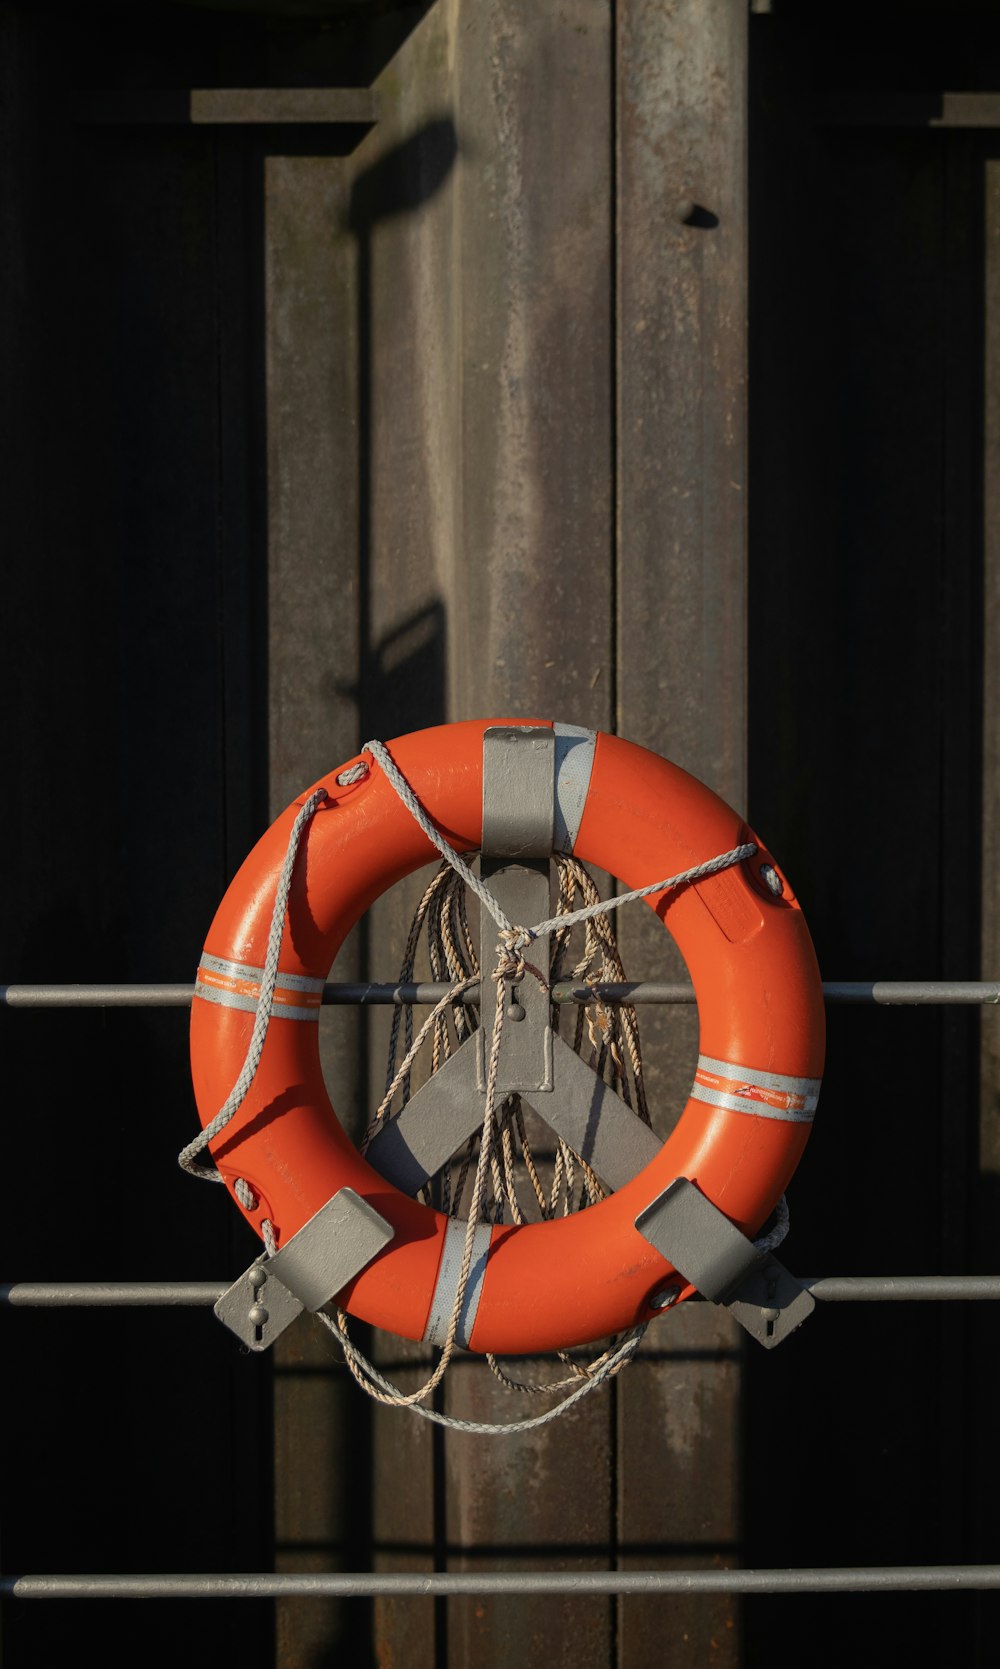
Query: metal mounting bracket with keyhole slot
{"points": [[713, 1255], [335, 1244]]}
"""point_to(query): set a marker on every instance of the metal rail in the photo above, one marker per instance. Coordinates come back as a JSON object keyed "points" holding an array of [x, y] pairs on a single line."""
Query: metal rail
{"points": [[882, 992], [831, 1289], [203, 1294], [348, 1585], [115, 1295]]}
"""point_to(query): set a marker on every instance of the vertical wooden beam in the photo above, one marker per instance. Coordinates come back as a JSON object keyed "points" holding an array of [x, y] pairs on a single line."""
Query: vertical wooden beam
{"points": [[682, 383], [531, 633], [484, 343], [531, 586], [402, 219], [321, 1435], [956, 617], [987, 1247], [312, 471], [681, 590], [487, 539], [990, 1128]]}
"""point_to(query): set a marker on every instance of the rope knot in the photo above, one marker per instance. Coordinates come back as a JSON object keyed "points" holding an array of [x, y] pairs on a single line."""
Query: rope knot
{"points": [[515, 939], [512, 942]]}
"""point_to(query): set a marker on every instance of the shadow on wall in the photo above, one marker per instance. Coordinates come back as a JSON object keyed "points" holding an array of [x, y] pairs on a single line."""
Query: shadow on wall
{"points": [[402, 677], [404, 178]]}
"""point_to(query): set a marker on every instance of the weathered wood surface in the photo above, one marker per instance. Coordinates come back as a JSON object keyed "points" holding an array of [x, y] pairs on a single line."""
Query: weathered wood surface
{"points": [[403, 365], [489, 353], [681, 433], [681, 676], [313, 437]]}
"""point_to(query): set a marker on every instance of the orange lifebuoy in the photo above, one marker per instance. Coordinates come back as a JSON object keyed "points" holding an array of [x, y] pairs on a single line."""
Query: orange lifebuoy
{"points": [[760, 1006]]}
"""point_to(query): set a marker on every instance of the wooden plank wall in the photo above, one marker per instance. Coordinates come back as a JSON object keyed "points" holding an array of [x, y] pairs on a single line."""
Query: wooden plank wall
{"points": [[510, 553], [680, 599], [314, 435], [436, 378]]}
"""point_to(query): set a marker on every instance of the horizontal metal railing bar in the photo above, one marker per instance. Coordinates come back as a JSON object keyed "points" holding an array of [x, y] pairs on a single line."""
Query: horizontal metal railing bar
{"points": [[831, 1289], [364, 1585], [74, 1295], [96, 996], [881, 1289], [893, 992], [882, 992]]}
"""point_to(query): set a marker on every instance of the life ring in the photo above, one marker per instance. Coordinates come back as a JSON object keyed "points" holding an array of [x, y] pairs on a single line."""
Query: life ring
{"points": [[747, 948]]}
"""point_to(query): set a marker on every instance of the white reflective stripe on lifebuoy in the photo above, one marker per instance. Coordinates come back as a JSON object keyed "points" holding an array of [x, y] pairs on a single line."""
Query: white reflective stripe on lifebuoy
{"points": [[443, 1301], [574, 764], [745, 1089], [237, 985]]}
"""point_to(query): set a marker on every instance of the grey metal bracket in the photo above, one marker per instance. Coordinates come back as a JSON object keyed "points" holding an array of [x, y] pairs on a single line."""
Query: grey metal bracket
{"points": [[519, 808], [592, 1119], [522, 783], [520, 803], [713, 1255], [588, 1115], [258, 1307], [335, 1244], [436, 1121], [518, 833]]}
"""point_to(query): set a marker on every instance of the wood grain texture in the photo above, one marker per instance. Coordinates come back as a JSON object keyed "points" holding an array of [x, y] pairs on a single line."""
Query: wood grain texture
{"points": [[681, 671], [486, 364]]}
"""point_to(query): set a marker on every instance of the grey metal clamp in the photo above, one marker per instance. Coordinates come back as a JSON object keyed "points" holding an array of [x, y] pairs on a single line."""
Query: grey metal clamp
{"points": [[713, 1255], [337, 1242]]}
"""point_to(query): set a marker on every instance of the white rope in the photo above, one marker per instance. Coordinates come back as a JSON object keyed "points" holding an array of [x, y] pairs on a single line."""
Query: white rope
{"points": [[188, 1156], [380, 753], [364, 1371], [771, 1241], [371, 1380], [376, 1384], [687, 877], [524, 935], [510, 964]]}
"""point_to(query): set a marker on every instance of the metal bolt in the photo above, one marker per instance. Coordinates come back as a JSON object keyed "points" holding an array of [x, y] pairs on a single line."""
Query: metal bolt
{"points": [[663, 1299], [257, 1276], [257, 1316], [515, 1011], [683, 210], [771, 879]]}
